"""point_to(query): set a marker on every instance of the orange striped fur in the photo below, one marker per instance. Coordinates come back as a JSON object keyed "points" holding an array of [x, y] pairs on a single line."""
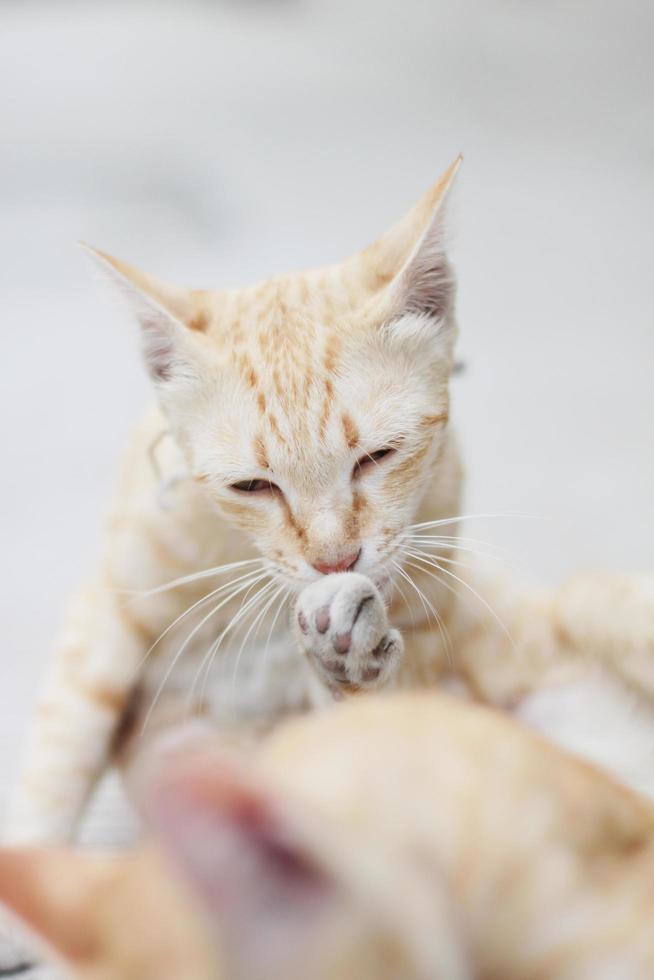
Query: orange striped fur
{"points": [[295, 386]]}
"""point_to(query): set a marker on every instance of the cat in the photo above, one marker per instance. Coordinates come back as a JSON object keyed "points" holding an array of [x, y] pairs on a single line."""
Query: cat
{"points": [[407, 836], [294, 484]]}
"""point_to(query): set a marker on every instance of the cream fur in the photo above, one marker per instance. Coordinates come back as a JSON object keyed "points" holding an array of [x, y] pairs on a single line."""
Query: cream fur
{"points": [[405, 837], [295, 381]]}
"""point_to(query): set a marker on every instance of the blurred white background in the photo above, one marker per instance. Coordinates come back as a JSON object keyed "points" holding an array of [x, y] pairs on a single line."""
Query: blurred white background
{"points": [[218, 142]]}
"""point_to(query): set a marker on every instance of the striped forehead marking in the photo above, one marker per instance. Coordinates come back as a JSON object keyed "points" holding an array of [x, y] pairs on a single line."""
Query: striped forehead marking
{"points": [[350, 430], [260, 452], [286, 340]]}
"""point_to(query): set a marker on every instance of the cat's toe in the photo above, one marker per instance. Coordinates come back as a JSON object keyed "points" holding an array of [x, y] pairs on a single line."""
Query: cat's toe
{"points": [[377, 666]]}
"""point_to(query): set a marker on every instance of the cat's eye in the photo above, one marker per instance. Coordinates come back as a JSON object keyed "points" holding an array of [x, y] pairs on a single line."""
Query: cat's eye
{"points": [[255, 486], [370, 459]]}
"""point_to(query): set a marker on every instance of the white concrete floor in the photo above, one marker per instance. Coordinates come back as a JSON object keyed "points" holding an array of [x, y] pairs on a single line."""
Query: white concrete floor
{"points": [[215, 143]]}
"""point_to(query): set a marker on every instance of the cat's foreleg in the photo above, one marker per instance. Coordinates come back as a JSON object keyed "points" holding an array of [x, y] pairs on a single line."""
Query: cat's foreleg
{"points": [[341, 625], [610, 618], [90, 681]]}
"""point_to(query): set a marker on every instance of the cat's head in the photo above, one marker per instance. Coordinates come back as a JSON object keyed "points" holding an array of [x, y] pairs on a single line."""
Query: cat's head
{"points": [[244, 883], [314, 406]]}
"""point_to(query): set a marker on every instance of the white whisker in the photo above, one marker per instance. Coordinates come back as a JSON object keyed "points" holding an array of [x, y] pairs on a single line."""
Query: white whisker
{"points": [[449, 588], [255, 623], [459, 518], [456, 541], [434, 546], [285, 597], [416, 552], [434, 564], [188, 639], [437, 547], [211, 653], [406, 602], [206, 663], [417, 533], [200, 602], [426, 604], [456, 537], [439, 621], [197, 577]]}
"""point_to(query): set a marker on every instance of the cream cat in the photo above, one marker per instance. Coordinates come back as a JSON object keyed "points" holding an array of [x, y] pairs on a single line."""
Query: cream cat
{"points": [[410, 837], [304, 445]]}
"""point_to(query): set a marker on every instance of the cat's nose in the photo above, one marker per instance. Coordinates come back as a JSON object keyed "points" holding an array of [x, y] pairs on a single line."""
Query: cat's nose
{"points": [[343, 564]]}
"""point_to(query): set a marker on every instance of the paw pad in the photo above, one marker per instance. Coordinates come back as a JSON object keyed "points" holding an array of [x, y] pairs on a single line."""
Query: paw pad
{"points": [[323, 619], [343, 628]]}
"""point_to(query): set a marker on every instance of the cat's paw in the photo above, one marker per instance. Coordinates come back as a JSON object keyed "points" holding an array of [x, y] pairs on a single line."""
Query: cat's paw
{"points": [[341, 624]]}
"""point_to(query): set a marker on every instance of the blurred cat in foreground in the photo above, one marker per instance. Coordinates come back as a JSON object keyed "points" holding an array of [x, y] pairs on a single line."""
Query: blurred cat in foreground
{"points": [[406, 837]]}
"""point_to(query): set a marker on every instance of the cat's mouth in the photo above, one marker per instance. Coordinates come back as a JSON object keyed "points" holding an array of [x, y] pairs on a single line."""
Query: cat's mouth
{"points": [[296, 581]]}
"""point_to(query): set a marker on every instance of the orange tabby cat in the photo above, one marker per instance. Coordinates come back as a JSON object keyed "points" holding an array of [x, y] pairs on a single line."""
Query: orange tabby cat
{"points": [[410, 837], [302, 458]]}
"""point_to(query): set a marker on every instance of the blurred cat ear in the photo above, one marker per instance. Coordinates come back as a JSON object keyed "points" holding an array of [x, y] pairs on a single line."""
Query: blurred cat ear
{"points": [[48, 891], [259, 881], [167, 315], [411, 257]]}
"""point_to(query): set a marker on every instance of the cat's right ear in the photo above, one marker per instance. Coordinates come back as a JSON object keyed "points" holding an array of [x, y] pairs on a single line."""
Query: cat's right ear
{"points": [[411, 262], [168, 315]]}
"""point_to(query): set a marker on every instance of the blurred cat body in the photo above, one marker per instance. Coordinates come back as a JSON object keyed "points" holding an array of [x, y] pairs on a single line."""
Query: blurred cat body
{"points": [[303, 444], [403, 837]]}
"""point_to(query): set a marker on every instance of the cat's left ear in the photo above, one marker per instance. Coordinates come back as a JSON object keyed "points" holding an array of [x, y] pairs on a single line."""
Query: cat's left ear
{"points": [[412, 259]]}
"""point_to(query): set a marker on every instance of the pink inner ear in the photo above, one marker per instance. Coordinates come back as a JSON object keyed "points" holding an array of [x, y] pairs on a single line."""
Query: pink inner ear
{"points": [[262, 888], [158, 345], [426, 284], [430, 289]]}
